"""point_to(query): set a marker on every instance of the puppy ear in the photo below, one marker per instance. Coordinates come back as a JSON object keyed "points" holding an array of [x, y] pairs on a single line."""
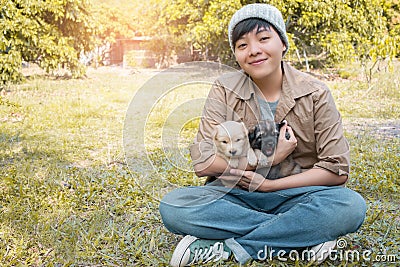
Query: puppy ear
{"points": [[252, 132], [255, 136], [214, 134], [254, 128]]}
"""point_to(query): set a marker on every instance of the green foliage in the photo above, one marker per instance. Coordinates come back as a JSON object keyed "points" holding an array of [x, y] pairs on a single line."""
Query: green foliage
{"points": [[54, 33], [338, 30], [211, 33], [110, 24], [341, 30], [50, 33], [197, 24], [10, 63], [164, 22]]}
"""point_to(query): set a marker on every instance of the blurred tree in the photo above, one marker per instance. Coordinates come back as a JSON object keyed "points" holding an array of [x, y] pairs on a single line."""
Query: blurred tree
{"points": [[332, 30], [111, 24], [169, 25], [49, 33], [55, 32], [211, 35], [340, 30]]}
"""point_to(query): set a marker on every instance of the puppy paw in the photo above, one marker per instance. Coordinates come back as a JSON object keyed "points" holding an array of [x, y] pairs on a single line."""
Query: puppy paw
{"points": [[263, 160], [252, 158], [234, 163]]}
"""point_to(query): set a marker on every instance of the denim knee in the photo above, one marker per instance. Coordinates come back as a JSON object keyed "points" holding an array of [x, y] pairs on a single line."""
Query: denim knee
{"points": [[354, 209], [341, 211], [169, 216], [176, 217]]}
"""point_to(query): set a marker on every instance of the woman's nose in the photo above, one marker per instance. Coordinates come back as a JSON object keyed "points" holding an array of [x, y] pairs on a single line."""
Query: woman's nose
{"points": [[254, 48]]}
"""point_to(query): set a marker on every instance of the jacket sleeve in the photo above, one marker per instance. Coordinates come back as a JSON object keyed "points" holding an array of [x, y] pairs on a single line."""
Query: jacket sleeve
{"points": [[333, 150], [214, 112]]}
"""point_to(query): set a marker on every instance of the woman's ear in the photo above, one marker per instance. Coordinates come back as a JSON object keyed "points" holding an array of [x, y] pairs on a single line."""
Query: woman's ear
{"points": [[283, 49]]}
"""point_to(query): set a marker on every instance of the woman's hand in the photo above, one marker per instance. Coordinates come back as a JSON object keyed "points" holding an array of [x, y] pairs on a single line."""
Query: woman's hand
{"points": [[230, 180], [284, 147], [246, 180]]}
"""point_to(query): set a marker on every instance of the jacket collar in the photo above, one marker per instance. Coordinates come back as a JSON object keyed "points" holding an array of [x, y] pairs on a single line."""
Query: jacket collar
{"points": [[295, 85], [297, 82], [247, 87]]}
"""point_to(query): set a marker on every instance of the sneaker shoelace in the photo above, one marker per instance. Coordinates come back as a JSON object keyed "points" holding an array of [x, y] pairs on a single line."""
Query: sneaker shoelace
{"points": [[215, 252]]}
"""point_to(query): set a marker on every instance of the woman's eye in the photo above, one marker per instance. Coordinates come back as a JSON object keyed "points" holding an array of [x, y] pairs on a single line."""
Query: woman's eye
{"points": [[264, 38], [240, 46]]}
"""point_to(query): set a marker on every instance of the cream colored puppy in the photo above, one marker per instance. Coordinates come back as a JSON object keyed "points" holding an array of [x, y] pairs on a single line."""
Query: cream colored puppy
{"points": [[232, 143]]}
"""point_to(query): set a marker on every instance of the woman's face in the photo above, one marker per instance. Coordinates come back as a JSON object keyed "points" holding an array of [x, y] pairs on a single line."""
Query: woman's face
{"points": [[259, 52]]}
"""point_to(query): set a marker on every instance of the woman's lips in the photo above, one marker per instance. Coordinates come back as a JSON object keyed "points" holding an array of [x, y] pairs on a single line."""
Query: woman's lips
{"points": [[258, 62]]}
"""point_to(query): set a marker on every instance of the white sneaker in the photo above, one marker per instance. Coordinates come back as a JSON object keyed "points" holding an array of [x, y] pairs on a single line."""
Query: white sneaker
{"points": [[320, 252], [191, 250]]}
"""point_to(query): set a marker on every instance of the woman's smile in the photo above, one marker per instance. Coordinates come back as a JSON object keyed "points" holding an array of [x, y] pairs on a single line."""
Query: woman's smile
{"points": [[258, 61]]}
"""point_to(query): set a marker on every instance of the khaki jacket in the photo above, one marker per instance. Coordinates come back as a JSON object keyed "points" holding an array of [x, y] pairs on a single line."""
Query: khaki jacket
{"points": [[305, 103]]}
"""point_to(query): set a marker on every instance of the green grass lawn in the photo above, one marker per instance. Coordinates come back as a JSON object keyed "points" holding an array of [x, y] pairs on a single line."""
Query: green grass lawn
{"points": [[69, 197]]}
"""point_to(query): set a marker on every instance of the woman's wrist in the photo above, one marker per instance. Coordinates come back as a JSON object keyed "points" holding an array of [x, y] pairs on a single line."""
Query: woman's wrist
{"points": [[266, 186], [277, 159]]}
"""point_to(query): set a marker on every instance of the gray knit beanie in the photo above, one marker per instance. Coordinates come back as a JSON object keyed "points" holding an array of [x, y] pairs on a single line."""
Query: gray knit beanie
{"points": [[262, 11]]}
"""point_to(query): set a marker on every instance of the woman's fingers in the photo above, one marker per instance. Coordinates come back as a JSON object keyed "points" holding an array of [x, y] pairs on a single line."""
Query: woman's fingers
{"points": [[249, 180], [292, 136], [282, 131], [237, 172]]}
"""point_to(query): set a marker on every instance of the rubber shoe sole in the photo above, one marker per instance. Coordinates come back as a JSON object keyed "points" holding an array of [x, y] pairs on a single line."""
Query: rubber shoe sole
{"points": [[322, 251], [181, 255]]}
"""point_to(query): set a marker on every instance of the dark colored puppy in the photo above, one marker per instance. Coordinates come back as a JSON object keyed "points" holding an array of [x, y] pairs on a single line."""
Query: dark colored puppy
{"points": [[264, 137]]}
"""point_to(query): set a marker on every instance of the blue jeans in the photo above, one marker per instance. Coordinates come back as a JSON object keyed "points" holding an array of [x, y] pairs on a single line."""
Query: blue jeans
{"points": [[251, 221]]}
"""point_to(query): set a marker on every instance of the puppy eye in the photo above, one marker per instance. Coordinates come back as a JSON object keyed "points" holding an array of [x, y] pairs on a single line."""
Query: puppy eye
{"points": [[237, 140], [225, 142]]}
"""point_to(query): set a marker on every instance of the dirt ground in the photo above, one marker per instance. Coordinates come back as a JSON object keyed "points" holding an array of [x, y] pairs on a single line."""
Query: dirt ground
{"points": [[377, 128]]}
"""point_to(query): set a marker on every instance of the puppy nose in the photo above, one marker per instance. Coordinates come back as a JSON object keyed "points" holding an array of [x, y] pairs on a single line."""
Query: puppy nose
{"points": [[232, 152]]}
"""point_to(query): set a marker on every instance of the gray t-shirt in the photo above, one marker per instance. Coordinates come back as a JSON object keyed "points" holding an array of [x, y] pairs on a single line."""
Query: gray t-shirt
{"points": [[267, 109]]}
